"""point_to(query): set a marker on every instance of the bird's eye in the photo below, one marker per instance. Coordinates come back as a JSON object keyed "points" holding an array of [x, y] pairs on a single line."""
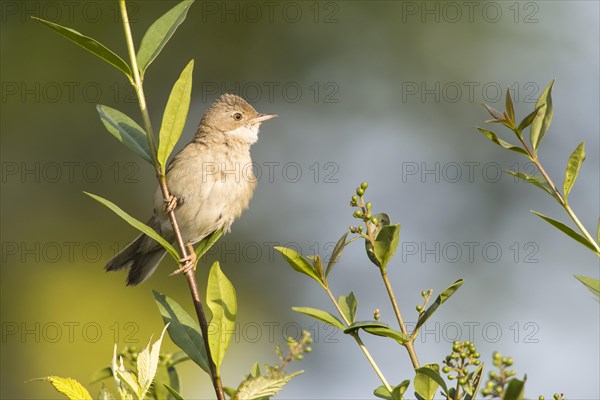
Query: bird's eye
{"points": [[237, 116]]}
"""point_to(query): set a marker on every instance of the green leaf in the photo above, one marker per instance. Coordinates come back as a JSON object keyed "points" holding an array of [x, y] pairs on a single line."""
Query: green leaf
{"points": [[386, 244], [497, 115], [364, 324], [222, 302], [387, 332], [515, 389], [159, 33], [543, 117], [175, 115], [69, 387], [125, 380], [260, 387], [173, 379], [525, 122], [161, 379], [91, 45], [183, 329], [318, 266], [147, 363], [126, 130], [178, 357], [206, 243], [502, 143], [397, 391], [137, 224], [336, 254], [321, 316], [298, 262], [573, 165], [104, 394], [174, 393], [510, 109], [592, 284], [427, 380], [445, 295], [348, 305], [567, 230], [534, 180], [475, 381]]}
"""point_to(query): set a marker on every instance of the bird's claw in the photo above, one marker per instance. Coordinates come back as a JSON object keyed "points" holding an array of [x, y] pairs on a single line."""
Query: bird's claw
{"points": [[171, 204], [188, 262]]}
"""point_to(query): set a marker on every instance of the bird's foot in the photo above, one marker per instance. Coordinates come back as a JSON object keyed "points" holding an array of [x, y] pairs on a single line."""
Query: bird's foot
{"points": [[187, 263], [171, 204]]}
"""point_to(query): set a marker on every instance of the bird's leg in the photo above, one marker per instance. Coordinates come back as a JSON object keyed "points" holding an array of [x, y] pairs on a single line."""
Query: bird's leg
{"points": [[188, 262], [170, 203]]}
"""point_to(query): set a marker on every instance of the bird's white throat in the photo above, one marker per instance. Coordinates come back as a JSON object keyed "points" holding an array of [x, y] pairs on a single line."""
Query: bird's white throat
{"points": [[246, 133]]}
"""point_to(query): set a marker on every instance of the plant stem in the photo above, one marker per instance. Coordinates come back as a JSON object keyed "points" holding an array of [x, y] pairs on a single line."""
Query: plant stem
{"points": [[191, 278], [409, 345], [561, 200], [360, 342]]}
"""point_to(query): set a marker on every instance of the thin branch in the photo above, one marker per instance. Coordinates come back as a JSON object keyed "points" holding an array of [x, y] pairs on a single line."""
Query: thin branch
{"points": [[190, 276]]}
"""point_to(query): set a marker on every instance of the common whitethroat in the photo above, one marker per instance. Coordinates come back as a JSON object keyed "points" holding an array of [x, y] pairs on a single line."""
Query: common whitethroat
{"points": [[211, 180]]}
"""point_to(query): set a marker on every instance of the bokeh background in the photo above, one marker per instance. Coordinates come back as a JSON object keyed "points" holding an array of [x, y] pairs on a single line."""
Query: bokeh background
{"points": [[384, 92]]}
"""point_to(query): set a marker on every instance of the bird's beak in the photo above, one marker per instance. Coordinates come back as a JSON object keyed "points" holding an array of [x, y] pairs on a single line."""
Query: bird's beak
{"points": [[263, 118]]}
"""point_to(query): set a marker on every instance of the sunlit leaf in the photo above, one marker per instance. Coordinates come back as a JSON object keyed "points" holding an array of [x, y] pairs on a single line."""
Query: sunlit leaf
{"points": [[91, 45], [69, 387], [321, 315], [445, 295], [567, 230], [175, 115], [298, 262], [592, 284], [147, 363], [222, 302], [534, 180], [159, 33], [500, 142], [573, 165], [387, 332], [510, 109], [336, 254], [348, 304], [137, 224], [206, 243], [183, 329], [386, 244], [427, 380], [126, 130], [543, 117], [262, 387], [525, 122]]}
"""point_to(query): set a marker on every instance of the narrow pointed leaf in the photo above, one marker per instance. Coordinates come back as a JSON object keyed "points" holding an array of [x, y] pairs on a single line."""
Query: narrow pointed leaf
{"points": [[147, 363], [321, 315], [183, 329], [427, 381], [387, 332], [500, 142], [567, 230], [298, 262], [510, 109], [159, 33], [175, 115], [137, 224], [69, 387], [592, 284], [318, 266], [336, 254], [206, 243], [386, 244], [445, 295], [364, 324], [222, 302], [525, 122], [101, 374], [348, 304], [174, 393], [543, 117], [515, 390], [497, 115], [126, 130], [534, 180], [573, 165], [91, 45], [161, 380]]}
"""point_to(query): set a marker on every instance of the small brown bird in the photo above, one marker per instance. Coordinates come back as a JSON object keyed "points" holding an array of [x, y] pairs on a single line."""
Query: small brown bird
{"points": [[211, 179]]}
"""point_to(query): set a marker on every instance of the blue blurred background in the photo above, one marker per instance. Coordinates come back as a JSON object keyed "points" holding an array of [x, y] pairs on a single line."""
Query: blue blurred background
{"points": [[378, 91]]}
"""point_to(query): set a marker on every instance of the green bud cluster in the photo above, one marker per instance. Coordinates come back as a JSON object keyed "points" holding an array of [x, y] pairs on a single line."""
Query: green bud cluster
{"points": [[497, 380], [457, 363], [364, 210]]}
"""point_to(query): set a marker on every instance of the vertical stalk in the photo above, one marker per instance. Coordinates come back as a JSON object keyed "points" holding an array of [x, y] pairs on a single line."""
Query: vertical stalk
{"points": [[191, 278]]}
